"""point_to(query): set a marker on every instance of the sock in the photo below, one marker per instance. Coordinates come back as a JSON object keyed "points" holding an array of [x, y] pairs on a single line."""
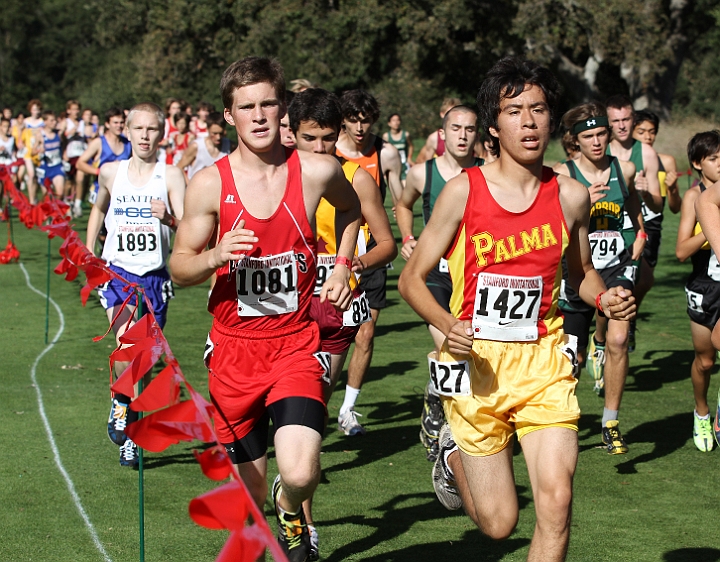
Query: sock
{"points": [[609, 415], [351, 395], [705, 417], [447, 454], [598, 343], [122, 398]]}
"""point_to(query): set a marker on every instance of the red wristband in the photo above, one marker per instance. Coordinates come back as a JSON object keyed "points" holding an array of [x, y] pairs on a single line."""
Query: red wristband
{"points": [[342, 260], [642, 235], [598, 302], [408, 237], [172, 222]]}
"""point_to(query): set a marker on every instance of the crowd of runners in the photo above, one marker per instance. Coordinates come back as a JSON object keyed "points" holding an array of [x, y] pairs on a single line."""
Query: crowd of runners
{"points": [[515, 265]]}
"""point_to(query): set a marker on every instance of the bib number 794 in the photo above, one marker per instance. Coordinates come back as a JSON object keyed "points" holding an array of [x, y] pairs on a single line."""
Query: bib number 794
{"points": [[450, 378]]}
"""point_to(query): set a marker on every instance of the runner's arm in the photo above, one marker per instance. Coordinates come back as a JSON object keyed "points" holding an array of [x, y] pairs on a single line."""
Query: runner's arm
{"points": [[39, 147], [427, 151], [404, 208], [377, 219], [391, 165], [171, 216], [437, 236], [707, 207], [674, 199], [651, 197], [617, 303], [91, 152], [688, 243], [634, 210], [102, 203], [188, 157]]}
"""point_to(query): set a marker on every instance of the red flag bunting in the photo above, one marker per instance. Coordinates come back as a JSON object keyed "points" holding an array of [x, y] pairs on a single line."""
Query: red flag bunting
{"points": [[214, 462], [164, 390]]}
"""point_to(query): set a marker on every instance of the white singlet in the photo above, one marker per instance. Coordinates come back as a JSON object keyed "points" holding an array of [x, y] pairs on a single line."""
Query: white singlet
{"points": [[203, 158], [136, 241], [7, 151], [76, 144]]}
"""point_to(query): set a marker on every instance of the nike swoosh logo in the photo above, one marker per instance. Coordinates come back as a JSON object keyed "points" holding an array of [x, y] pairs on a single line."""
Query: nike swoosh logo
{"points": [[506, 323], [263, 299]]}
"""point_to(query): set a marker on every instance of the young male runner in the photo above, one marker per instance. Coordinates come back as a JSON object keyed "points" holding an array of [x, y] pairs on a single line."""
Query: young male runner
{"points": [[623, 146], [458, 133], [28, 140], [140, 200], [72, 130], [401, 140], [703, 285], [315, 120], [507, 365], [263, 348], [112, 146], [610, 183], [434, 145], [382, 161], [49, 148], [204, 152], [8, 152]]}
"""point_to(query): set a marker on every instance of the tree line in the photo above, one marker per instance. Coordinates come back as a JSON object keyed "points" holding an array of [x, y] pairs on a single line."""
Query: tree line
{"points": [[662, 53]]}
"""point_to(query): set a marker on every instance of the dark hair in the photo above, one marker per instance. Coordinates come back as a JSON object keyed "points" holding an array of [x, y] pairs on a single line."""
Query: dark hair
{"points": [[703, 145], [618, 101], [316, 105], [353, 103], [393, 115], [461, 108], [649, 116], [48, 113], [289, 96], [508, 79], [216, 118], [114, 112], [249, 71], [581, 113], [184, 116], [206, 106], [34, 102]]}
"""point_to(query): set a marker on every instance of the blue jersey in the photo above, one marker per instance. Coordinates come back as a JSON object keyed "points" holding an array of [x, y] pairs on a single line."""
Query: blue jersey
{"points": [[107, 155], [52, 155]]}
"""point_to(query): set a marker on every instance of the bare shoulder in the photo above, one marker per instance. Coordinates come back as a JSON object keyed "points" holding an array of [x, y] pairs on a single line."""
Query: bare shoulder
{"points": [[458, 187], [628, 169], [561, 168], [649, 154], [319, 167], [204, 191], [416, 175], [574, 196], [362, 178], [668, 162], [174, 177], [109, 170]]}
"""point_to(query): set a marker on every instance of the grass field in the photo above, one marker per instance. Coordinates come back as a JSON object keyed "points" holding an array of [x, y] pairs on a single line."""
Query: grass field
{"points": [[375, 502]]}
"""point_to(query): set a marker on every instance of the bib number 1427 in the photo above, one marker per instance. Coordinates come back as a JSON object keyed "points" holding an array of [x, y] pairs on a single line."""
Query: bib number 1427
{"points": [[450, 378]]}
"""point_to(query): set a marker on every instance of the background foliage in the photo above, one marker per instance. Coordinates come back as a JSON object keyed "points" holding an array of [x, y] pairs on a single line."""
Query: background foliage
{"points": [[410, 54]]}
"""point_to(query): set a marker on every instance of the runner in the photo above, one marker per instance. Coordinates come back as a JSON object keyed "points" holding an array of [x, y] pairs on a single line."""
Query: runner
{"points": [[695, 236], [204, 152], [287, 138], [625, 147], [140, 200], [610, 183], [316, 121], [180, 140], [28, 140], [382, 161], [49, 148], [509, 224], [401, 140], [458, 133], [8, 152], [200, 126], [112, 146], [434, 145], [263, 348], [73, 132]]}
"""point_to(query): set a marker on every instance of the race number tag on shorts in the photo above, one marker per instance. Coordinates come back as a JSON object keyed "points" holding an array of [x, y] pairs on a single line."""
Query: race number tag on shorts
{"points": [[325, 267], [713, 267], [139, 243], [358, 313], [606, 246], [267, 286], [443, 266], [507, 307], [450, 378], [694, 301]]}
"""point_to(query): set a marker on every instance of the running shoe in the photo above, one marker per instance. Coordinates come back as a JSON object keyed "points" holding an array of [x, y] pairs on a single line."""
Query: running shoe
{"points": [[117, 422], [348, 423], [703, 433], [293, 534], [77, 211], [431, 421], [595, 364], [613, 439], [129, 455], [314, 542], [443, 479]]}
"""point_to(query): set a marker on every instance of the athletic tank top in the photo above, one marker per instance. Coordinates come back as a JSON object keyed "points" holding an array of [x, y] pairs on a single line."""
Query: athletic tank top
{"points": [[506, 267], [74, 137], [7, 151], [401, 144], [434, 184], [136, 241], [203, 159], [201, 132], [606, 217], [325, 227], [53, 150], [705, 263], [370, 162], [107, 154], [440, 150], [273, 286]]}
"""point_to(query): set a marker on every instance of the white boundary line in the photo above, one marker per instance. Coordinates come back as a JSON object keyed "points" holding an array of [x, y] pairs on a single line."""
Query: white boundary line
{"points": [[46, 423]]}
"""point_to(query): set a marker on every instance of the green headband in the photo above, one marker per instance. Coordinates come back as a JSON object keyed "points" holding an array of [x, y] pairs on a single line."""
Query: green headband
{"points": [[591, 123]]}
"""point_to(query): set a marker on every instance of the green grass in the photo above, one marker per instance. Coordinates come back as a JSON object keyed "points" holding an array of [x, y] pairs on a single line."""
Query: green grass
{"points": [[375, 501]]}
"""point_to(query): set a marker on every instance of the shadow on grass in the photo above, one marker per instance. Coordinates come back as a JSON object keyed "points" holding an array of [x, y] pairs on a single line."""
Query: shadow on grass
{"points": [[665, 367], [396, 520], [694, 554], [667, 435], [382, 329]]}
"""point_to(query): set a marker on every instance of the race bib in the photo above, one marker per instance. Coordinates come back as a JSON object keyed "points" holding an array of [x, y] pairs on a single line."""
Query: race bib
{"points": [[507, 307], [75, 148], [325, 267], [443, 266], [569, 350], [694, 301], [647, 214], [267, 286], [140, 243], [358, 313], [449, 378], [713, 267], [606, 247]]}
